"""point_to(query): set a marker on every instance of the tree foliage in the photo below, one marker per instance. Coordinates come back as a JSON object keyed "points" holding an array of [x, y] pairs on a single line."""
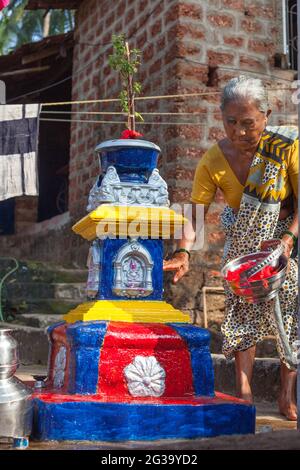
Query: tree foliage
{"points": [[19, 26]]}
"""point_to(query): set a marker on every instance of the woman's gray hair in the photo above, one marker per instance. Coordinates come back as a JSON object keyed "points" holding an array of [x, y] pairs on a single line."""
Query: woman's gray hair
{"points": [[245, 88]]}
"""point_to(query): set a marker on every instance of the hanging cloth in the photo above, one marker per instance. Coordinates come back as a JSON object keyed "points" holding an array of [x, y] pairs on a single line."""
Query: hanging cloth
{"points": [[19, 125]]}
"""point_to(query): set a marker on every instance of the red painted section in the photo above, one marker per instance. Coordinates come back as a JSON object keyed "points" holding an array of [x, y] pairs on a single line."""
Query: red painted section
{"points": [[219, 399], [124, 341]]}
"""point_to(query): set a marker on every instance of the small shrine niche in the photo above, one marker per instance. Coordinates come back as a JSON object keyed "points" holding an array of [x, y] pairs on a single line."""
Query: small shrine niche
{"points": [[133, 271]]}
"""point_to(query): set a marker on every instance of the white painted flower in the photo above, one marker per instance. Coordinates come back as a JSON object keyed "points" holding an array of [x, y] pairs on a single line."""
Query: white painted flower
{"points": [[145, 377], [59, 368]]}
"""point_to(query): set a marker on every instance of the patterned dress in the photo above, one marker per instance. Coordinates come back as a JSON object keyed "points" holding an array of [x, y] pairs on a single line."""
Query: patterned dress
{"points": [[257, 220]]}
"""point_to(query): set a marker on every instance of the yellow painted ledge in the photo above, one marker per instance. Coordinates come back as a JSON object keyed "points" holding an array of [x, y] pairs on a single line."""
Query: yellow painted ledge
{"points": [[137, 311], [129, 221]]}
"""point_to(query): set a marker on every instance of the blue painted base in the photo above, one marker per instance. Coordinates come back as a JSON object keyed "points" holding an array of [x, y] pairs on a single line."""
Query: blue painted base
{"points": [[101, 421]]}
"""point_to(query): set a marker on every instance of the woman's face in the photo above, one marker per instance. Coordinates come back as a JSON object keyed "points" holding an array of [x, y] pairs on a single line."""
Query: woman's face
{"points": [[244, 124]]}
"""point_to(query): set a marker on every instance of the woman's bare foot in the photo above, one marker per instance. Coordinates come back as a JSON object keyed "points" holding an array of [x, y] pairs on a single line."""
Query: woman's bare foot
{"points": [[287, 397], [287, 408]]}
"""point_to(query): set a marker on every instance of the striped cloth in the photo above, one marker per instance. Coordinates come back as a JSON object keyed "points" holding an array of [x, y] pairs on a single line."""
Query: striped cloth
{"points": [[18, 150]]}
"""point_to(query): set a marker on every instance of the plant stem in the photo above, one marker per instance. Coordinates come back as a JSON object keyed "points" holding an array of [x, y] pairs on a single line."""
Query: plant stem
{"points": [[130, 94]]}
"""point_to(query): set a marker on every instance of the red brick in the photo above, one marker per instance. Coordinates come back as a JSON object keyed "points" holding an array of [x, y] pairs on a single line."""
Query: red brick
{"points": [[120, 10], [248, 63], [186, 49], [110, 19], [172, 14], [216, 238], [219, 58], [234, 4], [192, 71], [182, 10], [148, 53], [156, 28], [142, 5], [96, 81], [185, 31], [260, 11], [179, 194], [251, 26], [119, 27], [190, 11], [129, 16], [193, 132], [94, 21], [235, 41], [179, 173], [161, 44], [141, 40], [171, 54], [215, 134], [156, 67], [222, 21], [260, 46]]}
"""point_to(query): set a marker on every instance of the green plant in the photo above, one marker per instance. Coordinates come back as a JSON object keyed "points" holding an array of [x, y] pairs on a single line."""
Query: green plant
{"points": [[126, 62]]}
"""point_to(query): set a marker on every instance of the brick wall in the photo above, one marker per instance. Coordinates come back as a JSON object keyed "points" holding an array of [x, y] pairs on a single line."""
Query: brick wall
{"points": [[188, 46]]}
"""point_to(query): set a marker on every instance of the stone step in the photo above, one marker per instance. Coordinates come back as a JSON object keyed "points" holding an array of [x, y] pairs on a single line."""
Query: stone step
{"points": [[45, 306], [34, 271], [32, 342], [43, 290], [265, 382], [38, 320]]}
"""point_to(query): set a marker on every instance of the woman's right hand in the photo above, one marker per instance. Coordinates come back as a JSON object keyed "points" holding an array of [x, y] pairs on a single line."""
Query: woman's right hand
{"points": [[179, 263]]}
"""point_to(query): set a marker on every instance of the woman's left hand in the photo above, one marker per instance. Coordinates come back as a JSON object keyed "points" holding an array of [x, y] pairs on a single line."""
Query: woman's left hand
{"points": [[273, 244]]}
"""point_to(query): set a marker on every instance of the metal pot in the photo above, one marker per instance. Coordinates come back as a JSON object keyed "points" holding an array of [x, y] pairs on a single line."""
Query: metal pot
{"points": [[256, 291], [15, 396], [9, 359]]}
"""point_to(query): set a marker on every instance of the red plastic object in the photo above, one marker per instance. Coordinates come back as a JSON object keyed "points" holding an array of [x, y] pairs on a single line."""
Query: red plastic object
{"points": [[129, 134], [263, 275]]}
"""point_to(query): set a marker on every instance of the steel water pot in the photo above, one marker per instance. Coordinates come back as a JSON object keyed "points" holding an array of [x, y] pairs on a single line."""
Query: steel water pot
{"points": [[9, 358], [15, 396]]}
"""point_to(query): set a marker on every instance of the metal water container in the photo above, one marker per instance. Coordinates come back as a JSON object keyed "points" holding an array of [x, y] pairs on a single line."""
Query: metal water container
{"points": [[15, 396]]}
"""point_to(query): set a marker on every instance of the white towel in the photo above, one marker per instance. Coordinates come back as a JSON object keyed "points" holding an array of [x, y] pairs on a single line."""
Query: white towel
{"points": [[18, 150]]}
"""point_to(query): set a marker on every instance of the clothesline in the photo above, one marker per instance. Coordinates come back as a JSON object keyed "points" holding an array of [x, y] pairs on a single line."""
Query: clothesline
{"points": [[117, 112], [139, 98], [200, 113], [121, 122]]}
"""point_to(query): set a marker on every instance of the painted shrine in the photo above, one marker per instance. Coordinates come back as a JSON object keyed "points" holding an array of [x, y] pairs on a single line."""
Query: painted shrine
{"points": [[126, 365]]}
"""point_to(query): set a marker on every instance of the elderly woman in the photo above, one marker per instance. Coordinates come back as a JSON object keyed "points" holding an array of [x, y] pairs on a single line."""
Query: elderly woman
{"points": [[256, 167]]}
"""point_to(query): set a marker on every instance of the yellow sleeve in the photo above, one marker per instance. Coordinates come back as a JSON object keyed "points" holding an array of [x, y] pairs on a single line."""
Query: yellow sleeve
{"points": [[204, 188], [293, 167]]}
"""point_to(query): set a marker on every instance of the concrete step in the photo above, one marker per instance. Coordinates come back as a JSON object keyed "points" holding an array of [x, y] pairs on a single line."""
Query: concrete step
{"points": [[42, 290]]}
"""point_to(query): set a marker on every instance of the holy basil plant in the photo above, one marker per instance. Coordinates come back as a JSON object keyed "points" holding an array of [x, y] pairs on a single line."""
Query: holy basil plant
{"points": [[126, 61]]}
